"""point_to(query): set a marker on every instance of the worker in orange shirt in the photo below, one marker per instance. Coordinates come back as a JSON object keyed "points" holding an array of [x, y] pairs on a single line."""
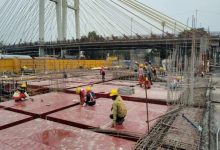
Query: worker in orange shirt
{"points": [[82, 95], [141, 74], [21, 94]]}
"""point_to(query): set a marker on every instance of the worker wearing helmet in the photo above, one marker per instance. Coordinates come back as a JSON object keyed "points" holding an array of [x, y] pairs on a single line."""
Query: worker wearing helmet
{"points": [[82, 95], [21, 94], [141, 74], [23, 69], [90, 97], [119, 110]]}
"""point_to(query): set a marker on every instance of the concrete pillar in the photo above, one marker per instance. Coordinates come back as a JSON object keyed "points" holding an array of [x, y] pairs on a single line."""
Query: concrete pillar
{"points": [[59, 19], [41, 52], [64, 19], [77, 21], [41, 25], [41, 20]]}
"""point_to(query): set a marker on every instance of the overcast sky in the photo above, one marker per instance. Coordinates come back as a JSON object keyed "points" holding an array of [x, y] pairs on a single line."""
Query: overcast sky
{"points": [[14, 29], [208, 11]]}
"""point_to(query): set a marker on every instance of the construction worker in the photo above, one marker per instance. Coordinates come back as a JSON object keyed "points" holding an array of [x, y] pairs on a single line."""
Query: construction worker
{"points": [[82, 95], [146, 83], [119, 110], [102, 72], [90, 97], [23, 69], [141, 74], [162, 71], [21, 94], [64, 75], [148, 72], [136, 66]]}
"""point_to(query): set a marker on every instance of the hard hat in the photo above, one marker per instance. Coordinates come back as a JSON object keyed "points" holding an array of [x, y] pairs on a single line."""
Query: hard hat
{"points": [[178, 78], [114, 92], [88, 88], [23, 85], [24, 67], [141, 65], [78, 90]]}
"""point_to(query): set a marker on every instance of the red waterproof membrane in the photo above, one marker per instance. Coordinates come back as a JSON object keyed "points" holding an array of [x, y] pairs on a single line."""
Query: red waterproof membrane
{"points": [[98, 116], [122, 83], [156, 94], [8, 118], [43, 104], [43, 134], [69, 82]]}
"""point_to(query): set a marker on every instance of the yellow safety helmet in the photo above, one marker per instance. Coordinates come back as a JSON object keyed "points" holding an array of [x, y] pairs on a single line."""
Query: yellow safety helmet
{"points": [[113, 92], [24, 67], [23, 85], [141, 65], [78, 90], [178, 78], [88, 88]]}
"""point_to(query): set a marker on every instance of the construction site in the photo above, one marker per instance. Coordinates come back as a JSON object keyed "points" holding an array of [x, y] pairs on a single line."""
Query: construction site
{"points": [[167, 82]]}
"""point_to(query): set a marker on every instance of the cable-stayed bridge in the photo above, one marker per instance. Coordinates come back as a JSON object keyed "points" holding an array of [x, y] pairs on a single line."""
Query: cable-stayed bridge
{"points": [[39, 26]]}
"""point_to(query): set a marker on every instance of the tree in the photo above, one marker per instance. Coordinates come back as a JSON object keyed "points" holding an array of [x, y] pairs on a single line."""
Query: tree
{"points": [[93, 36]]}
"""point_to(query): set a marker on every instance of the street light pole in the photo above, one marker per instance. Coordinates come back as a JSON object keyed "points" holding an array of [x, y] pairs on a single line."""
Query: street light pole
{"points": [[131, 26]]}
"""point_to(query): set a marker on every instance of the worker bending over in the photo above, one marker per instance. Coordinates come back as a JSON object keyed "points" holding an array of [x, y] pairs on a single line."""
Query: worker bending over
{"points": [[90, 97], [119, 110], [21, 94], [82, 95]]}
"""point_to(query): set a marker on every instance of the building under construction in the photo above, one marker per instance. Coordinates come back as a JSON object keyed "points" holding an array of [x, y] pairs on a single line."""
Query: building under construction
{"points": [[172, 113], [165, 78]]}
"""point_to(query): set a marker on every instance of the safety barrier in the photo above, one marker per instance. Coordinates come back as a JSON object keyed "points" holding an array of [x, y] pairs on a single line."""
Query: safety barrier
{"points": [[49, 65]]}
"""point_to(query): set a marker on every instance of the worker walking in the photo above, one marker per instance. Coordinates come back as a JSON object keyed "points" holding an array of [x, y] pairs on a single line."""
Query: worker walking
{"points": [[90, 97], [21, 94], [119, 110], [102, 72], [82, 95], [148, 72], [141, 74]]}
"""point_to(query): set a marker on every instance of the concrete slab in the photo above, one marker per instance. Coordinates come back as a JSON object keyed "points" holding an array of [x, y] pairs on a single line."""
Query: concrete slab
{"points": [[157, 94], [43, 104], [81, 80], [122, 83], [44, 134], [98, 116], [8, 118]]}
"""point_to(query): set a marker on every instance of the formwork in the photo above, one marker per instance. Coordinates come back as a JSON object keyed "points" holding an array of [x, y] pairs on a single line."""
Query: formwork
{"points": [[93, 117], [43, 134], [71, 82], [9, 118], [43, 104], [156, 94]]}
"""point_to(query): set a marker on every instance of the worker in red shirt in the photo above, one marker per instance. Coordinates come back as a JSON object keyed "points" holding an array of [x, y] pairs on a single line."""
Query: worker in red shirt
{"points": [[102, 72], [82, 95], [21, 94], [141, 74]]}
